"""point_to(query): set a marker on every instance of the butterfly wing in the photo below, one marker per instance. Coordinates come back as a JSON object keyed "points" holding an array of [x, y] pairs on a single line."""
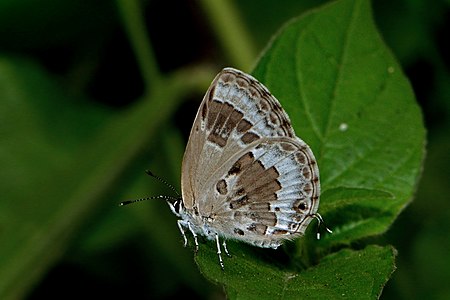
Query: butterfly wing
{"points": [[236, 111], [270, 193], [239, 116]]}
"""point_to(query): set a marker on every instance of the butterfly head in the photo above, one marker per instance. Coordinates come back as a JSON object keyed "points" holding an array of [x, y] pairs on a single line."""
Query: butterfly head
{"points": [[175, 203], [176, 206]]}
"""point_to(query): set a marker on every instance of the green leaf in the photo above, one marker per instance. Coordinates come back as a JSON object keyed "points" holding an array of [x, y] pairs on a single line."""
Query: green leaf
{"points": [[349, 100], [341, 196], [252, 274]]}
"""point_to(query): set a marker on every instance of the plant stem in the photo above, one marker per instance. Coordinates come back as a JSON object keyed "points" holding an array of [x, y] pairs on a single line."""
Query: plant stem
{"points": [[231, 32], [134, 25]]}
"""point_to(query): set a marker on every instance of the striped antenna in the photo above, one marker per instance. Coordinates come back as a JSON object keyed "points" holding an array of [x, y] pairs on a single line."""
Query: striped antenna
{"points": [[164, 197], [163, 181], [167, 198]]}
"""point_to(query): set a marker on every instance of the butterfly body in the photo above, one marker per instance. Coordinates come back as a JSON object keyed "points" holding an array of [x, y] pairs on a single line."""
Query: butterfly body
{"points": [[245, 174]]}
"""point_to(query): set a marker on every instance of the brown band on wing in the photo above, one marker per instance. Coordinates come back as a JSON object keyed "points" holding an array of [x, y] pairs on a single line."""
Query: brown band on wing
{"points": [[257, 228], [223, 117], [266, 218], [249, 137], [258, 184], [243, 126], [217, 117], [213, 110]]}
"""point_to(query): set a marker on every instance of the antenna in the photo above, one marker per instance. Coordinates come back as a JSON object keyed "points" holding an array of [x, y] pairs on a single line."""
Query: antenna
{"points": [[167, 198], [147, 198], [163, 181]]}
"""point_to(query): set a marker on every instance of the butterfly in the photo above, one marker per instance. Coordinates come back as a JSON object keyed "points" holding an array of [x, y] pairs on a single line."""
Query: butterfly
{"points": [[245, 175]]}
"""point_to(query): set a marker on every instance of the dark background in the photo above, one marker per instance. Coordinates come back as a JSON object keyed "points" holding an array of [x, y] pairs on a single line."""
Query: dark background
{"points": [[84, 46]]}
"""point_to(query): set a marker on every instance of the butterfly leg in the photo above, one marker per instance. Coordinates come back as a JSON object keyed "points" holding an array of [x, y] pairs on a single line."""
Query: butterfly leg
{"points": [[224, 244], [219, 252], [194, 235], [180, 226]]}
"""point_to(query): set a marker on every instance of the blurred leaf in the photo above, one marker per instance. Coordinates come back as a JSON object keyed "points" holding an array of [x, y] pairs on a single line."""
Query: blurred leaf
{"points": [[59, 159], [341, 196], [423, 266], [279, 12], [411, 35], [39, 141], [349, 100]]}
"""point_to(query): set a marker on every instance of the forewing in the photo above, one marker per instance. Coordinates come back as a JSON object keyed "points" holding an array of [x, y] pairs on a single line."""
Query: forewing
{"points": [[237, 111]]}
